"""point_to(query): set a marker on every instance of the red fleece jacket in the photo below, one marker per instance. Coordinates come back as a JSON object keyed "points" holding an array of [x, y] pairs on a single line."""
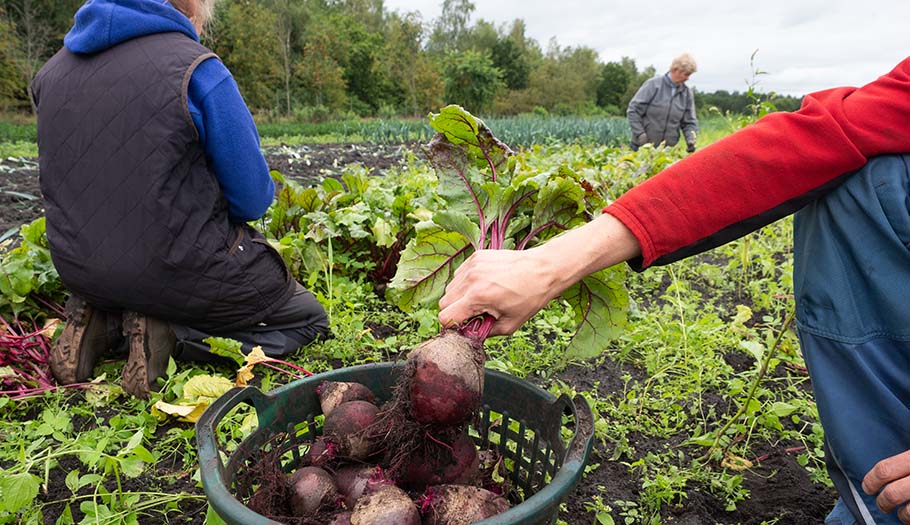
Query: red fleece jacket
{"points": [[767, 170]]}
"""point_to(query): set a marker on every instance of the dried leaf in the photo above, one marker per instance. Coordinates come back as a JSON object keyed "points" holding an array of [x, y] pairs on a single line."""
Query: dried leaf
{"points": [[736, 463], [245, 373], [187, 413]]}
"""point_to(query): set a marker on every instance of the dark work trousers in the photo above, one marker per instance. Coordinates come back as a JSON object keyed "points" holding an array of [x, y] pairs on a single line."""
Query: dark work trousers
{"points": [[852, 284], [299, 322]]}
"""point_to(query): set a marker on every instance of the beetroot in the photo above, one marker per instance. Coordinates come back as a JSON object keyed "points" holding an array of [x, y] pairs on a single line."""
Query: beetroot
{"points": [[446, 384], [342, 518], [333, 393], [311, 489], [319, 453], [460, 505], [353, 481], [347, 425], [439, 464], [388, 506]]}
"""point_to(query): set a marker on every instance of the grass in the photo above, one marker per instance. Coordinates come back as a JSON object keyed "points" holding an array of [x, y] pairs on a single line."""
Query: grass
{"points": [[20, 149]]}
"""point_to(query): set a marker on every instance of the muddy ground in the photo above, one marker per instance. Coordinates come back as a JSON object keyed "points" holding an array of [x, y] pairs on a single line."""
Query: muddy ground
{"points": [[780, 488], [20, 193]]}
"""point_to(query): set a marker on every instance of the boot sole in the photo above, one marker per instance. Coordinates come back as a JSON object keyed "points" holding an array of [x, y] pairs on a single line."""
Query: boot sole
{"points": [[135, 372], [68, 356]]}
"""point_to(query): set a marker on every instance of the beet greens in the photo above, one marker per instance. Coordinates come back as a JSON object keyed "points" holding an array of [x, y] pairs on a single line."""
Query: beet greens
{"points": [[492, 203]]}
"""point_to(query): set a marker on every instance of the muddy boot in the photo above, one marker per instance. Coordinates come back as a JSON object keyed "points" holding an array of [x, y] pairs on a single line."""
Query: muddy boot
{"points": [[88, 333], [151, 342]]}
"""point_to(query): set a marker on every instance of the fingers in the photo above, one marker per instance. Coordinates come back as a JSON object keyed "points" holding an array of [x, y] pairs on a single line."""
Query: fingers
{"points": [[494, 282], [904, 514], [458, 312], [886, 471], [896, 493], [456, 287], [466, 297], [890, 479]]}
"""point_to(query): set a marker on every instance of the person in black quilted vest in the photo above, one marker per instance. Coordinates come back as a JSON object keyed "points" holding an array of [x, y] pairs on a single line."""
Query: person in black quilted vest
{"points": [[150, 169]]}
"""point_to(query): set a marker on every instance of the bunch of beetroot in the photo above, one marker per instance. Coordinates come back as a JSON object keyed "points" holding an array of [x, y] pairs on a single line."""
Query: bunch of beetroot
{"points": [[407, 462], [24, 354], [411, 460]]}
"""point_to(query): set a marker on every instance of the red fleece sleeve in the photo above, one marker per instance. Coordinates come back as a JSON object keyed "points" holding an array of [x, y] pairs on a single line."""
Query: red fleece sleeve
{"points": [[760, 168]]}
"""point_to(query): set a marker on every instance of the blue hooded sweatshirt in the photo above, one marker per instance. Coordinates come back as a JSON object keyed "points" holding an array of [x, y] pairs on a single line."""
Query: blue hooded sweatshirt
{"points": [[226, 128]]}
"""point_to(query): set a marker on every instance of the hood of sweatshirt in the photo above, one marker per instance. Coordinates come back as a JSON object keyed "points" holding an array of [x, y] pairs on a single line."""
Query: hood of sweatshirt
{"points": [[102, 24]]}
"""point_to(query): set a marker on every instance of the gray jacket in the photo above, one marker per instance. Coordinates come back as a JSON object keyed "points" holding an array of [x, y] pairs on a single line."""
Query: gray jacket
{"points": [[660, 109]]}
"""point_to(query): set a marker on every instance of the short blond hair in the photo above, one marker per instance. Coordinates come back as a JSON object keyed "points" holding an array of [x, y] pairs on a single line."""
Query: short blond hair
{"points": [[684, 63]]}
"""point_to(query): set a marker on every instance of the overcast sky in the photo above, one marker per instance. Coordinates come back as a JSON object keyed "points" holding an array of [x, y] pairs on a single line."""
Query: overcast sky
{"points": [[803, 45]]}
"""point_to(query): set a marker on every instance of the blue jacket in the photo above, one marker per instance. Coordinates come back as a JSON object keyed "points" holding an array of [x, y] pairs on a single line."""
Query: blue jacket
{"points": [[225, 126]]}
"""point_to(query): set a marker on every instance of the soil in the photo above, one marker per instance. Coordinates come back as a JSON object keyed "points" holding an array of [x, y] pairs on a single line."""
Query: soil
{"points": [[780, 488], [308, 163], [20, 195]]}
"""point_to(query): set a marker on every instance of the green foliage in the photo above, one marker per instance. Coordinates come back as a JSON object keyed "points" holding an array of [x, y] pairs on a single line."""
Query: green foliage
{"points": [[417, 76], [319, 76], [451, 31], [30, 32], [12, 131], [20, 149], [521, 130], [247, 43], [357, 226], [613, 85], [493, 205], [27, 272], [12, 81], [566, 80], [365, 81], [514, 63], [318, 59], [471, 80], [739, 103], [528, 131], [636, 79]]}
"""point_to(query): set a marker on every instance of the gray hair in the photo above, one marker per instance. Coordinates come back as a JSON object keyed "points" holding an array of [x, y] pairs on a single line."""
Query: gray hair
{"points": [[204, 9], [684, 63]]}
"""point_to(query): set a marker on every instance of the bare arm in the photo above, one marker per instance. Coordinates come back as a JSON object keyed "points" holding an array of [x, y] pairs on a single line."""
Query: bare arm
{"points": [[513, 285]]}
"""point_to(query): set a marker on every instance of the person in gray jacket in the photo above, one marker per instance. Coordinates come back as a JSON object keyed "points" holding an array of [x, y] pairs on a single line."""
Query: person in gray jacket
{"points": [[664, 106]]}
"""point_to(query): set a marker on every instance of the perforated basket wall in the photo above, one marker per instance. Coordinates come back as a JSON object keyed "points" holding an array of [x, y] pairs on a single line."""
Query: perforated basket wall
{"points": [[546, 440]]}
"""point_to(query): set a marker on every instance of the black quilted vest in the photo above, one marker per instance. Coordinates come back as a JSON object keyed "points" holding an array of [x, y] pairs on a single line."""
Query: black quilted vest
{"points": [[135, 218]]}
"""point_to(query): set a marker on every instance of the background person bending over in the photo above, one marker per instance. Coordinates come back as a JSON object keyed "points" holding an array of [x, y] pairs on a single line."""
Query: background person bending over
{"points": [[150, 168], [664, 106], [843, 161]]}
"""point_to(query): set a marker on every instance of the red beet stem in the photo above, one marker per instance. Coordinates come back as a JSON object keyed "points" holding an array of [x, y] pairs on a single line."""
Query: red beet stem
{"points": [[477, 329]]}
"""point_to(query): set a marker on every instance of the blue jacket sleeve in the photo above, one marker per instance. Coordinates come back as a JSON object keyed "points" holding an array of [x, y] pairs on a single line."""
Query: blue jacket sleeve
{"points": [[231, 141]]}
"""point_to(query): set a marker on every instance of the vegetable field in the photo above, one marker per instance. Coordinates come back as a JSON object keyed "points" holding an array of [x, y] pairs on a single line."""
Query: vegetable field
{"points": [[703, 405]]}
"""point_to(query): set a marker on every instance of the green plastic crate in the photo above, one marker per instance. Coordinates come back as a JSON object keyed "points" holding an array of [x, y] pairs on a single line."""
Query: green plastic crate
{"points": [[532, 433]]}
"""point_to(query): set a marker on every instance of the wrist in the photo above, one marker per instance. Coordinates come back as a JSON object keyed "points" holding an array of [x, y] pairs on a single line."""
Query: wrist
{"points": [[602, 243]]}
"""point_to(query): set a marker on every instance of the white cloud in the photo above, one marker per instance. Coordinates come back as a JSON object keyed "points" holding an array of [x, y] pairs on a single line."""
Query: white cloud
{"points": [[803, 45]]}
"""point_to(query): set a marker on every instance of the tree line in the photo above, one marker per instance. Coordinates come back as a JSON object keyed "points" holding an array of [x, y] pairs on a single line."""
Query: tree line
{"points": [[321, 59]]}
